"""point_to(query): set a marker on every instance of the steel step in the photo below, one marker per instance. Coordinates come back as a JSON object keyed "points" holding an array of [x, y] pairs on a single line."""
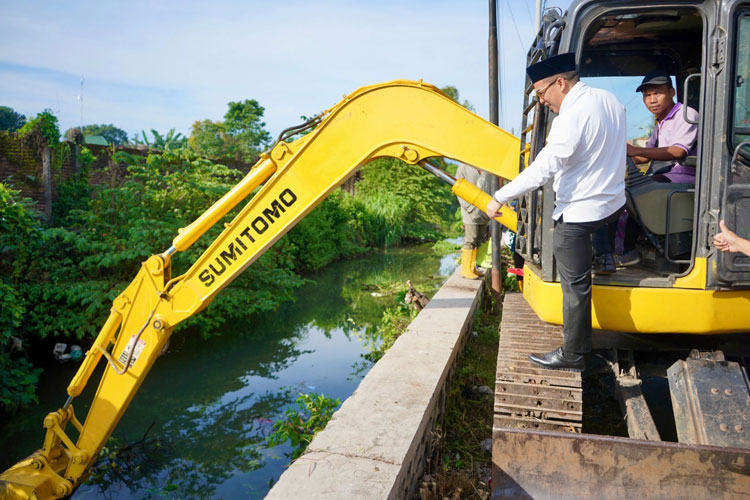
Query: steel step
{"points": [[526, 395]]}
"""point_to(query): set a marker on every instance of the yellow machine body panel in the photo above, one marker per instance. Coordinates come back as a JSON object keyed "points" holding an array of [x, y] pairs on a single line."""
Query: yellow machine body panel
{"points": [[649, 310]]}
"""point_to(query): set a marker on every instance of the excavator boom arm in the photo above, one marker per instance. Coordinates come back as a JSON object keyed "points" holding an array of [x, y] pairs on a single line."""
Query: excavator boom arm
{"points": [[412, 121], [406, 120]]}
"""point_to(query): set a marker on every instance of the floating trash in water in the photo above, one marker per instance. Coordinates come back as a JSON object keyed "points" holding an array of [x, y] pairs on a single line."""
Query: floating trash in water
{"points": [[58, 352], [302, 385]]}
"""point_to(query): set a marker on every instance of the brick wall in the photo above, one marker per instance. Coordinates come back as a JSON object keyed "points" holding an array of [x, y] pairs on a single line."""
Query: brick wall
{"points": [[21, 166]]}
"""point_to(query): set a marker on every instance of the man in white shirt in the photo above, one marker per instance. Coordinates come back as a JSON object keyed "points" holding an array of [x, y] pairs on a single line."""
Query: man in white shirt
{"points": [[585, 155]]}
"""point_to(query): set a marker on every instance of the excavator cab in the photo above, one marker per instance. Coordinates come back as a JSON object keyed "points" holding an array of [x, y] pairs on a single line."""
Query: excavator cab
{"points": [[618, 49], [703, 47], [671, 332]]}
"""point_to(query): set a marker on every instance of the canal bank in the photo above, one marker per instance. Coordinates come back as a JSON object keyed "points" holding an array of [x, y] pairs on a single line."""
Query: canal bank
{"points": [[212, 402], [376, 444]]}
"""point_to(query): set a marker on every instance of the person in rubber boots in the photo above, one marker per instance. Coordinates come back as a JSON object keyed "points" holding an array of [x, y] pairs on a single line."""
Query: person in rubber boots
{"points": [[476, 223]]}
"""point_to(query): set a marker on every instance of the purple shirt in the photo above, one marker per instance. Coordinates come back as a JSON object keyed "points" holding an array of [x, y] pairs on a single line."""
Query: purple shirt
{"points": [[673, 130]]}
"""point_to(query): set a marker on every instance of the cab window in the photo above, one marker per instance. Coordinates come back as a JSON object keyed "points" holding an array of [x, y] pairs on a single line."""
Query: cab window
{"points": [[640, 119]]}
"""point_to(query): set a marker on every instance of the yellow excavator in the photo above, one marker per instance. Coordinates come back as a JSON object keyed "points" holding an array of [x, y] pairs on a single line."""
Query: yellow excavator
{"points": [[682, 286]]}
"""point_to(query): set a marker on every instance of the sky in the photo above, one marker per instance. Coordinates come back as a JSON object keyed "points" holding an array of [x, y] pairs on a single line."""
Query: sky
{"points": [[163, 65]]}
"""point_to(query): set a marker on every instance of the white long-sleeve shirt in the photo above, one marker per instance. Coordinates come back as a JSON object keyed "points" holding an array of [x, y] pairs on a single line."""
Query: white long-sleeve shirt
{"points": [[585, 153]]}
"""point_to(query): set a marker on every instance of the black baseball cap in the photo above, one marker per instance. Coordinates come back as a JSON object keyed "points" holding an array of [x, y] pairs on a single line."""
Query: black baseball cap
{"points": [[658, 77]]}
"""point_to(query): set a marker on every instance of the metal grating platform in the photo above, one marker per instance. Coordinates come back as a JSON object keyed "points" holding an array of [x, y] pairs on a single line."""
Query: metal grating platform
{"points": [[527, 396]]}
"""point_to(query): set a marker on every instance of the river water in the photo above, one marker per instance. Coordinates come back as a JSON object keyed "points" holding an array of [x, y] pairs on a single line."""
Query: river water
{"points": [[198, 425]]}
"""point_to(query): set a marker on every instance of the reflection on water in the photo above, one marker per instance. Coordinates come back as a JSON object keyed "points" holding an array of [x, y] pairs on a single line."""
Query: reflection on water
{"points": [[202, 415], [447, 264]]}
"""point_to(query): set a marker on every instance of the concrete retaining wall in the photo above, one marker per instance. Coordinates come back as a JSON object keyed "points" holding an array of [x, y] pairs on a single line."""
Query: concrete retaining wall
{"points": [[375, 445]]}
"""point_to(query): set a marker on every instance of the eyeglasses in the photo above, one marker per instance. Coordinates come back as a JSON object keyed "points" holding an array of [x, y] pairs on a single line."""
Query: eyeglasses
{"points": [[540, 93]]}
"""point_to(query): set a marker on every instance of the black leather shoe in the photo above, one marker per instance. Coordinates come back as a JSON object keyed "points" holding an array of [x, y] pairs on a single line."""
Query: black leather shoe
{"points": [[556, 360]]}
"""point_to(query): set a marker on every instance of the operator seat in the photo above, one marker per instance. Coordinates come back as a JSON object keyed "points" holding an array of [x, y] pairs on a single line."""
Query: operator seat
{"points": [[648, 200]]}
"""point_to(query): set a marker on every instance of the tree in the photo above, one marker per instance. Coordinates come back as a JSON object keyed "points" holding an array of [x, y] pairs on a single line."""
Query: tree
{"points": [[10, 120], [241, 135], [112, 134], [452, 92], [45, 132], [210, 139], [170, 141], [243, 123]]}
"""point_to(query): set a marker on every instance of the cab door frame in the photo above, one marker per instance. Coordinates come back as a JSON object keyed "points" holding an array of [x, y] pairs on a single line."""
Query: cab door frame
{"points": [[731, 179]]}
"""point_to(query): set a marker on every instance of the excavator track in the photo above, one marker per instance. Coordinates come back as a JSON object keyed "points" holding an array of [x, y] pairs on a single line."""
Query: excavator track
{"points": [[527, 396]]}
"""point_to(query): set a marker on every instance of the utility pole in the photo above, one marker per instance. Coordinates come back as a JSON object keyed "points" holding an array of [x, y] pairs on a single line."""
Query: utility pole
{"points": [[538, 18], [494, 182], [80, 98]]}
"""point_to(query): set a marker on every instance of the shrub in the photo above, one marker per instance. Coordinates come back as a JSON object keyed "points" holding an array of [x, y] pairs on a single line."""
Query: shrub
{"points": [[412, 203], [19, 240], [299, 426]]}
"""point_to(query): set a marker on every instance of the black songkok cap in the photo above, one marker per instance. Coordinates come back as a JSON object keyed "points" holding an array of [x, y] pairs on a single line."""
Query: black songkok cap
{"points": [[657, 77], [561, 63]]}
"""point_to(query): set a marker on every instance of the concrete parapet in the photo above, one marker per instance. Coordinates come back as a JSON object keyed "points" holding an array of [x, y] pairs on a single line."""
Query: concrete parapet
{"points": [[375, 445]]}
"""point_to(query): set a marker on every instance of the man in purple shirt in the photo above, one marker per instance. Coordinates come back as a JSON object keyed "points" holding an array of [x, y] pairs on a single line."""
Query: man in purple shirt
{"points": [[673, 138]]}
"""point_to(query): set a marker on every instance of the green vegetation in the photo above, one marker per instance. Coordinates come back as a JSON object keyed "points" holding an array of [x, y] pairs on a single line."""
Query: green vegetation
{"points": [[168, 141], [380, 338], [416, 204], [43, 127], [299, 426], [446, 247], [10, 120], [58, 280], [19, 228], [43, 131], [71, 191], [240, 136]]}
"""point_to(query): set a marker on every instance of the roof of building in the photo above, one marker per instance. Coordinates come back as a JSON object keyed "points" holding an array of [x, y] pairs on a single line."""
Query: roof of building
{"points": [[95, 139]]}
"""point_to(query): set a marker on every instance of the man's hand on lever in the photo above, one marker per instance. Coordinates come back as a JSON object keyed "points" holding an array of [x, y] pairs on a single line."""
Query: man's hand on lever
{"points": [[493, 208]]}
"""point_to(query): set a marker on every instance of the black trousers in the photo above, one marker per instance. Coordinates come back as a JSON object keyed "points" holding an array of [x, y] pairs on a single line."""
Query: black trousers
{"points": [[572, 250]]}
